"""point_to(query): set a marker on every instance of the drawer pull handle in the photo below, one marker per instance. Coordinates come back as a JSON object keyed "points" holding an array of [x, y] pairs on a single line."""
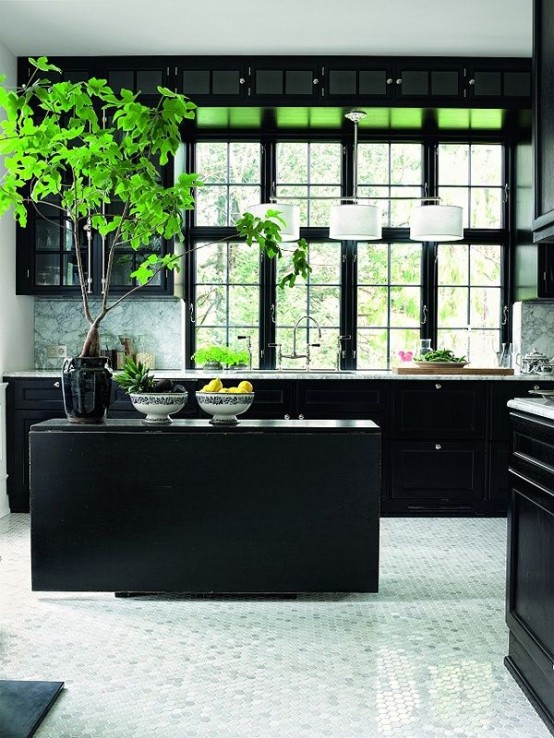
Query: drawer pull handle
{"points": [[300, 417], [536, 386], [438, 446], [438, 385], [286, 416], [56, 384]]}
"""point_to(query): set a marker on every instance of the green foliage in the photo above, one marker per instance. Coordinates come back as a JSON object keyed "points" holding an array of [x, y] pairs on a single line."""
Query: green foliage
{"points": [[135, 377], [221, 354], [82, 148]]}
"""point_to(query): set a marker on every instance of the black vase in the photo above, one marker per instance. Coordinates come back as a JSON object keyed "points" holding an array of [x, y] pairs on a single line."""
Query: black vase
{"points": [[86, 385]]}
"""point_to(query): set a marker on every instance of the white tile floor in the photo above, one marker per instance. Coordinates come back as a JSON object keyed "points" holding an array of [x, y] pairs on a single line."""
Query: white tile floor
{"points": [[421, 659]]}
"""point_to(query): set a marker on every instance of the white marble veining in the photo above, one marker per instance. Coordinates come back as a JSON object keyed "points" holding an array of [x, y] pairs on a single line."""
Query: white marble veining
{"points": [[422, 658], [533, 327], [156, 321], [536, 406]]}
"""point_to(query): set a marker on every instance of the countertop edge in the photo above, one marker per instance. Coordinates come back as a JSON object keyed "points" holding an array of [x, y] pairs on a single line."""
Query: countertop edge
{"points": [[533, 406]]}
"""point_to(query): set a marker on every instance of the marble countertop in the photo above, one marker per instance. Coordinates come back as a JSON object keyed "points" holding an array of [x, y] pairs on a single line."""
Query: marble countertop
{"points": [[315, 374], [534, 406]]}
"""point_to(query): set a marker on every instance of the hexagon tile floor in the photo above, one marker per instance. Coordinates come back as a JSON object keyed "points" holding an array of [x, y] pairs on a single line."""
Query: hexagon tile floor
{"points": [[420, 659]]}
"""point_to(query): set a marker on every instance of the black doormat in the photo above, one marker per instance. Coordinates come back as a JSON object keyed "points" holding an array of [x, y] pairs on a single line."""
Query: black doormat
{"points": [[23, 706]]}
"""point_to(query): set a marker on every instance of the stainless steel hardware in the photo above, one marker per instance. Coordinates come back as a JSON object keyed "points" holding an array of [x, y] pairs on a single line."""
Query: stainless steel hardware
{"points": [[191, 313], [316, 81], [438, 386], [536, 386], [300, 417], [424, 315], [472, 82], [273, 313], [286, 416], [438, 446], [279, 347], [390, 81], [56, 384], [399, 81], [242, 81], [505, 315]]}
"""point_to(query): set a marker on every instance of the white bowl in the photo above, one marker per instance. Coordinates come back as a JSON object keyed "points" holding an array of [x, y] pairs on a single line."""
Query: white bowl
{"points": [[158, 406], [224, 406]]}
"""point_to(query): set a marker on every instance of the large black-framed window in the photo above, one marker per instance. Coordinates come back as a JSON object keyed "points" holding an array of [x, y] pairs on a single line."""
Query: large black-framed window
{"points": [[382, 295]]}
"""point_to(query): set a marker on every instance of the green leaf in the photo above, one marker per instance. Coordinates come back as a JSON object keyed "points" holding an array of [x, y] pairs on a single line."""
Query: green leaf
{"points": [[43, 64]]}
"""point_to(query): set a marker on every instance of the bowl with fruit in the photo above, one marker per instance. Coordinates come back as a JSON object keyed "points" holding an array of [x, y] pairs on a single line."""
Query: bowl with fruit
{"points": [[225, 403], [157, 399]]}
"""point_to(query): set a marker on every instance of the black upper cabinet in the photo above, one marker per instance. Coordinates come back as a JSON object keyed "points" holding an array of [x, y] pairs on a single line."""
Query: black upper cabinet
{"points": [[498, 80], [208, 81], [543, 119]]}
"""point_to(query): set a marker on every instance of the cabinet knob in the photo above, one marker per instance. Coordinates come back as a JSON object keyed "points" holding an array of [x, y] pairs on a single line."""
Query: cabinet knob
{"points": [[438, 385], [56, 384], [438, 446], [300, 417], [242, 81], [472, 82], [390, 81], [286, 416], [398, 81], [316, 81], [536, 386]]}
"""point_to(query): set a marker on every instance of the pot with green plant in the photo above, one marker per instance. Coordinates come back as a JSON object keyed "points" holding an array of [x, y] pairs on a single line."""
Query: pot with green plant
{"points": [[213, 358], [96, 157], [156, 399]]}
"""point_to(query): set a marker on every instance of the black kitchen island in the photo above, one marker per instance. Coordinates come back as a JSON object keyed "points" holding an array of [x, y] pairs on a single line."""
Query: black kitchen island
{"points": [[267, 506]]}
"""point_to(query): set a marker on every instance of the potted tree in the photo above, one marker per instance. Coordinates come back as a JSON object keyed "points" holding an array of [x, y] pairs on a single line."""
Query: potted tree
{"points": [[80, 147]]}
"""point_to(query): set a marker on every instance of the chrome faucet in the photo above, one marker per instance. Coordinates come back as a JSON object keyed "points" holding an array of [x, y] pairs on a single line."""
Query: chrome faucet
{"points": [[248, 340], [307, 355]]}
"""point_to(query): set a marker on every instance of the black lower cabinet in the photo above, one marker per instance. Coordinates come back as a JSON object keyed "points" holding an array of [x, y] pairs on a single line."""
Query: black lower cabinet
{"points": [[429, 477], [445, 444], [530, 571]]}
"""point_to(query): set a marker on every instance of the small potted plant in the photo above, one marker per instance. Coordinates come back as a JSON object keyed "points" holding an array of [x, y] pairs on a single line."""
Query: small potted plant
{"points": [[213, 358], [156, 399]]}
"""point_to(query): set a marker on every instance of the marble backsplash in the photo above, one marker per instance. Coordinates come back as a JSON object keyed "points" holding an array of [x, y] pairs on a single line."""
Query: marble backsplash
{"points": [[154, 324], [533, 327]]}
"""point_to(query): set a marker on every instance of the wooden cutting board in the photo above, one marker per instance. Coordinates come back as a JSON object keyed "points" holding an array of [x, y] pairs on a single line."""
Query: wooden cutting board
{"points": [[457, 370]]}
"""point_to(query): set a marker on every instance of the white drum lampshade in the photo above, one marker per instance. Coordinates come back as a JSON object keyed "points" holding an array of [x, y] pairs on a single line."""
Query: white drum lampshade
{"points": [[437, 223], [289, 213], [355, 223]]}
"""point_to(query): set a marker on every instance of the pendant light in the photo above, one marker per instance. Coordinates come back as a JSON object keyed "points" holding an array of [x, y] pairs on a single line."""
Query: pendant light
{"points": [[289, 213], [355, 222], [437, 223]]}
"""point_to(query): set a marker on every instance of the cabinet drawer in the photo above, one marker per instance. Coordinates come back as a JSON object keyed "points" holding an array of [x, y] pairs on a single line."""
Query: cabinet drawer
{"points": [[440, 409], [343, 398], [439, 470], [36, 394]]}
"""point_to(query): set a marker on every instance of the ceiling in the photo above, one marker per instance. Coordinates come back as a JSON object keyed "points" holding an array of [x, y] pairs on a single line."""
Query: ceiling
{"points": [[247, 27]]}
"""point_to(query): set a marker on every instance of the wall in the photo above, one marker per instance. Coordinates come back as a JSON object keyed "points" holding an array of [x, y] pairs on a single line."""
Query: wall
{"points": [[533, 322], [156, 323], [16, 312]]}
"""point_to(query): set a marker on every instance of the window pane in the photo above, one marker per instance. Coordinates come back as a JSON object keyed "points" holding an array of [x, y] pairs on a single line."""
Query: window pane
{"points": [[240, 200], [406, 163], [243, 306], [486, 208], [324, 305], [405, 306], [372, 306], [243, 263], [325, 263], [486, 164], [211, 262], [452, 306], [244, 163], [318, 210], [372, 349], [400, 210], [456, 341], [485, 307], [325, 163], [373, 163], [403, 339], [211, 206], [373, 263], [211, 161], [453, 164], [209, 337], [291, 304], [405, 263], [292, 162], [457, 196], [486, 265], [211, 305], [453, 263]]}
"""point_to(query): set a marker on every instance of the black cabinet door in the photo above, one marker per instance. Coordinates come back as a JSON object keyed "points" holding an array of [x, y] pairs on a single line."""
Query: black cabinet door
{"points": [[35, 394], [543, 113], [499, 486], [506, 82], [418, 81], [439, 410], [442, 471], [501, 392], [208, 82], [285, 82], [19, 424], [364, 81]]}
